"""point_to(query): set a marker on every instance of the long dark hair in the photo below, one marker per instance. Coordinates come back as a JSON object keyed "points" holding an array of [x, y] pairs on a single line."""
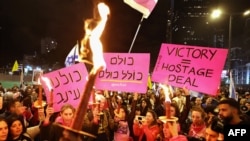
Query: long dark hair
{"points": [[11, 119], [155, 117], [2, 119], [126, 111], [148, 106]]}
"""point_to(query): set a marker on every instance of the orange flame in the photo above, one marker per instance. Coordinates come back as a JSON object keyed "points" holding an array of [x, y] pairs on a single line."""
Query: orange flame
{"points": [[94, 38]]}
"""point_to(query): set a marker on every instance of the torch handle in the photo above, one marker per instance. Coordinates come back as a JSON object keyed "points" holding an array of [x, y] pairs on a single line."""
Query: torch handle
{"points": [[51, 98], [82, 107], [168, 110], [40, 98]]}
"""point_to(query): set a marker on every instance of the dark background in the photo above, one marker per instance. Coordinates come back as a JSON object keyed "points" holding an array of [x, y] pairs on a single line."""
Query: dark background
{"points": [[25, 22]]}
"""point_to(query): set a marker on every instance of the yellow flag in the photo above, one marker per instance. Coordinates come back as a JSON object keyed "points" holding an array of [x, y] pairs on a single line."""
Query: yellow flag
{"points": [[149, 82], [15, 66]]}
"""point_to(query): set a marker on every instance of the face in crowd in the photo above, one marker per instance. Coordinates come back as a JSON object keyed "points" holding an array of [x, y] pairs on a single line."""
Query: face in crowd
{"points": [[178, 92], [17, 108], [16, 129], [16, 126], [102, 100], [212, 135], [143, 103], [166, 131], [174, 110], [137, 111], [122, 113], [3, 130], [209, 100], [197, 116], [226, 112], [198, 101], [248, 105], [67, 114], [151, 117]]}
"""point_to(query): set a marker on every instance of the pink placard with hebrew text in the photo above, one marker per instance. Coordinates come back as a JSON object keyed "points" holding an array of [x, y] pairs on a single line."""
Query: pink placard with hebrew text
{"points": [[197, 68], [126, 72], [68, 85]]}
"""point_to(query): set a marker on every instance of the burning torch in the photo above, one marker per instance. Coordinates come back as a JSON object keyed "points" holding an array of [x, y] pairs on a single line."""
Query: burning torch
{"points": [[167, 91], [98, 65], [39, 103], [48, 84]]}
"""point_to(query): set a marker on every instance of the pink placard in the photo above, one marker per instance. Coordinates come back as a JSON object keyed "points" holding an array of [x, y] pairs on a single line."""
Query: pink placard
{"points": [[126, 72], [197, 68], [68, 85]]}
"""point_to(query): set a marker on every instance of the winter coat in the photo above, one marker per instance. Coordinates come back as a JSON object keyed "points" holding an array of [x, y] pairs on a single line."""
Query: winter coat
{"points": [[150, 132]]}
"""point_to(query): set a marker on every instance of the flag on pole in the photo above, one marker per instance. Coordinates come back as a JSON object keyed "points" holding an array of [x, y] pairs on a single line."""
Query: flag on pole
{"points": [[15, 66], [143, 6], [21, 79], [232, 92], [72, 56]]}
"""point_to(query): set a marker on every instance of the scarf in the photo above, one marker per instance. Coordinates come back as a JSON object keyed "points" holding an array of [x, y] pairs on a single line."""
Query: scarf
{"points": [[60, 120], [196, 129]]}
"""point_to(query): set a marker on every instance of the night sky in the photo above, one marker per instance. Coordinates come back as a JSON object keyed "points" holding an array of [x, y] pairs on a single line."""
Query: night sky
{"points": [[24, 22]]}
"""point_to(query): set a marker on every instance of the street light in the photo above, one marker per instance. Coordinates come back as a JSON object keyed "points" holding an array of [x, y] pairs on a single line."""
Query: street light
{"points": [[216, 14], [246, 13]]}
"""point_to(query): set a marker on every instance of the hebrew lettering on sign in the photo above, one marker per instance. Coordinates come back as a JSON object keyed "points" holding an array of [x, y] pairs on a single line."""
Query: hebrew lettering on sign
{"points": [[124, 72], [117, 60], [71, 94], [68, 85]]}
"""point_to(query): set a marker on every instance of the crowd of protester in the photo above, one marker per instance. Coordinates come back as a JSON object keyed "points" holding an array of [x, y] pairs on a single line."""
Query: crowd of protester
{"points": [[122, 116]]}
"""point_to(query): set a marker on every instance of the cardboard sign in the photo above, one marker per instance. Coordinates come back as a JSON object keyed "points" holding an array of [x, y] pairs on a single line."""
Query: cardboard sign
{"points": [[126, 72], [68, 85], [197, 68]]}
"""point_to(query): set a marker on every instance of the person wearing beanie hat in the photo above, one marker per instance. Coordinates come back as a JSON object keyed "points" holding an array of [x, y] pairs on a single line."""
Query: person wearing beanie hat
{"points": [[210, 110]]}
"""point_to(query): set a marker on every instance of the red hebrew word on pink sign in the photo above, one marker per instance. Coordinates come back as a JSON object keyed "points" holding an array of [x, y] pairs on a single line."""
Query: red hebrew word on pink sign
{"points": [[197, 68]]}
